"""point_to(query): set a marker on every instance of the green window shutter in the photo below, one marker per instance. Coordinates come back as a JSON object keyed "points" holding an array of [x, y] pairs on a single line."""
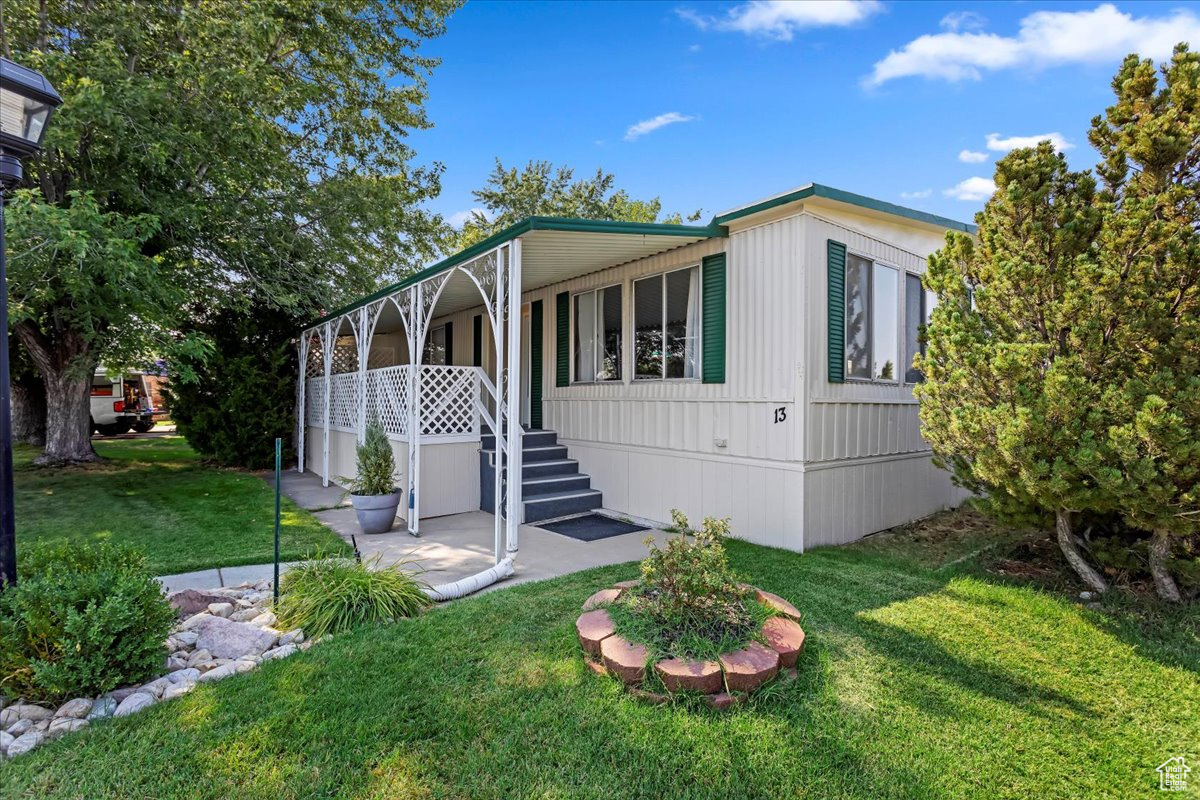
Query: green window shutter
{"points": [[562, 329], [836, 252], [535, 365], [712, 316], [449, 344], [477, 341]]}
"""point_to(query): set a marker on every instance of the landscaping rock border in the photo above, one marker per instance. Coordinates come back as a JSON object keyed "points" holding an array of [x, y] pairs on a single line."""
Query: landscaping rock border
{"points": [[723, 683], [233, 632]]}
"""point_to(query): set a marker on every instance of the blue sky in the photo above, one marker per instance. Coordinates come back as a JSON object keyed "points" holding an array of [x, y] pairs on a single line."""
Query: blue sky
{"points": [[713, 105]]}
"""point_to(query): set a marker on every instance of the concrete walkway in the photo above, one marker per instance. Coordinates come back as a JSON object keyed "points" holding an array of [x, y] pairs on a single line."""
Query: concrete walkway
{"points": [[221, 576]]}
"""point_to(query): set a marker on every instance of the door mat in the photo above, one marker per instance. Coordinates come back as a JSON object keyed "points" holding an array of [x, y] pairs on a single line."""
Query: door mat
{"points": [[591, 527]]}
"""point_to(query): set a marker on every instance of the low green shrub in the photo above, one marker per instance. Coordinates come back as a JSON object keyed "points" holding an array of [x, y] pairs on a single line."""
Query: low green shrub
{"points": [[376, 464], [690, 603], [332, 595], [81, 620]]}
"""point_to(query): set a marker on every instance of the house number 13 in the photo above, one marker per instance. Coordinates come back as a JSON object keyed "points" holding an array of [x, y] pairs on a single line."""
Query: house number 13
{"points": [[780, 415]]}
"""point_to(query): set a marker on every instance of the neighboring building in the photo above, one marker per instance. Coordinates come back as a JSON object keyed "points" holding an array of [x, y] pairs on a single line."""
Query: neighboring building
{"points": [[755, 368]]}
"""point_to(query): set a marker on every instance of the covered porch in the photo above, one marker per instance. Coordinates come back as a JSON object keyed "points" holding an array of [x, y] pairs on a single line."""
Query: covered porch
{"points": [[389, 357]]}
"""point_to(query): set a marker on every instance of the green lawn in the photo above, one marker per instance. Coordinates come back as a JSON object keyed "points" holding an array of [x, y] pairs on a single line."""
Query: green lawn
{"points": [[156, 494], [918, 681]]}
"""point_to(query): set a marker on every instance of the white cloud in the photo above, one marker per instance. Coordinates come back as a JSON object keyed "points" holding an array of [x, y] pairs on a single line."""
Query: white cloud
{"points": [[654, 123], [1045, 39], [963, 21], [693, 48], [460, 218], [971, 156], [973, 189], [999, 144], [780, 19], [918, 195]]}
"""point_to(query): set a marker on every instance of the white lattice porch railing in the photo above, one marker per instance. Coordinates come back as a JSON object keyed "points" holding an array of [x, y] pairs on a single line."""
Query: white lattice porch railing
{"points": [[314, 402], [343, 402], [448, 401], [387, 399]]}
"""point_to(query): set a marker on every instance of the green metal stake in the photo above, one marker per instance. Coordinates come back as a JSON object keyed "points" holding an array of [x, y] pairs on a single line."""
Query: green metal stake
{"points": [[278, 461]]}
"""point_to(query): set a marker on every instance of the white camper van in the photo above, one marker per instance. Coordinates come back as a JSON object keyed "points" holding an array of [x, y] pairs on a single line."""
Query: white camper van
{"points": [[121, 403]]}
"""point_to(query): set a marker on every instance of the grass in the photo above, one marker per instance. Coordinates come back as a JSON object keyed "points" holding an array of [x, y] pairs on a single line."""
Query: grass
{"points": [[918, 681], [156, 494]]}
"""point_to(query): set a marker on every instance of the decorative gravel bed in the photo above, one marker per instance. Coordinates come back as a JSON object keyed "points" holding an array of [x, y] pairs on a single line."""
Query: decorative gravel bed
{"points": [[224, 632], [723, 682]]}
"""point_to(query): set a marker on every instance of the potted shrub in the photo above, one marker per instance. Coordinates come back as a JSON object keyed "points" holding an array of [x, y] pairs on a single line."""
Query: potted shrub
{"points": [[373, 490]]}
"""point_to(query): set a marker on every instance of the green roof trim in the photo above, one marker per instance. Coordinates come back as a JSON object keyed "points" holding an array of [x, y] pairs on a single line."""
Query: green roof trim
{"points": [[830, 193], [525, 226]]}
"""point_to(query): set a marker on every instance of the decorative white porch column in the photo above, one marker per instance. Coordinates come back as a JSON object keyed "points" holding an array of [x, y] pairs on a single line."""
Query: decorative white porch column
{"points": [[513, 472], [327, 357], [301, 411], [363, 342], [416, 344]]}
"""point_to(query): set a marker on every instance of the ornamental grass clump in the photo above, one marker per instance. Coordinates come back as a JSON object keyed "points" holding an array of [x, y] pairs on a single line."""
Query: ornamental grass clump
{"points": [[690, 603], [82, 620], [333, 595], [375, 466]]}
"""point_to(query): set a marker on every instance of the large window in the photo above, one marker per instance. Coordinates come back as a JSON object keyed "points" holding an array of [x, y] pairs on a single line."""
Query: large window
{"points": [[598, 335], [666, 325], [918, 305], [872, 320], [435, 347]]}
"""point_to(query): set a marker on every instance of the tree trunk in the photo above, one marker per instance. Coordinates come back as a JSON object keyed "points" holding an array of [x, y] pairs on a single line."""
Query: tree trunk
{"points": [[66, 364], [1160, 554], [1066, 542], [68, 418], [29, 410]]}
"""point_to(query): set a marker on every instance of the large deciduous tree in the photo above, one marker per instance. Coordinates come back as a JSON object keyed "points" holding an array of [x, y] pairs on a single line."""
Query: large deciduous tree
{"points": [[1063, 361], [203, 149], [542, 189]]}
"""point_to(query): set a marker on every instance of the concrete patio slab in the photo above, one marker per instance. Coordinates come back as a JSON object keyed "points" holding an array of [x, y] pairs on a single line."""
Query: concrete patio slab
{"points": [[461, 545]]}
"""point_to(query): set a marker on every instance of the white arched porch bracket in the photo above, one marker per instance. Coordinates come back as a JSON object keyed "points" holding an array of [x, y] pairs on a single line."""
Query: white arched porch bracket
{"points": [[423, 299], [368, 315], [487, 272]]}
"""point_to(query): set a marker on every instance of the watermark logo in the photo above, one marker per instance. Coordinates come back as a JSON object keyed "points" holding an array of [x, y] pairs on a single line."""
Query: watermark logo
{"points": [[1173, 775]]}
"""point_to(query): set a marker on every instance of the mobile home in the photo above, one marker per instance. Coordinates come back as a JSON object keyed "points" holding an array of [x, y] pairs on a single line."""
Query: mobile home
{"points": [[757, 368]]}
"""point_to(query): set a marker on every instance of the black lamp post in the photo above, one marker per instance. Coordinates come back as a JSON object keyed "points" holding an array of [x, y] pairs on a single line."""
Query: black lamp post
{"points": [[26, 102]]}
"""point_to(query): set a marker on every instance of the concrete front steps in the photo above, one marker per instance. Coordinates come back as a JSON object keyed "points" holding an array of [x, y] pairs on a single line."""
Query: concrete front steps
{"points": [[551, 484]]}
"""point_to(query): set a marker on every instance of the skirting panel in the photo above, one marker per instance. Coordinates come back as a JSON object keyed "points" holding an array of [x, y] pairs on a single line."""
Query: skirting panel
{"points": [[764, 500], [449, 472], [849, 501]]}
